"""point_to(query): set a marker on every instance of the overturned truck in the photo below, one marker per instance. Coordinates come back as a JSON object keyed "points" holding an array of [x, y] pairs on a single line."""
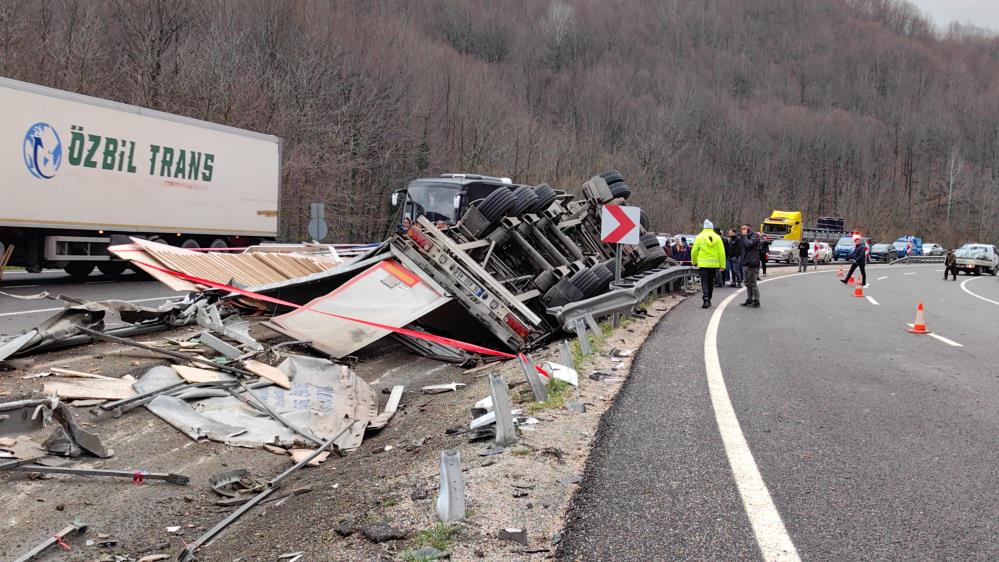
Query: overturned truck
{"points": [[484, 260]]}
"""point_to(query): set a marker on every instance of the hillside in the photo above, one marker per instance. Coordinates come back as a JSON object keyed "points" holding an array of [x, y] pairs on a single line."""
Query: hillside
{"points": [[711, 108]]}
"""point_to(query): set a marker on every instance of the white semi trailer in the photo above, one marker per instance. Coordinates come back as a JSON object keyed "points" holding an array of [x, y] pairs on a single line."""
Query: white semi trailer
{"points": [[79, 173]]}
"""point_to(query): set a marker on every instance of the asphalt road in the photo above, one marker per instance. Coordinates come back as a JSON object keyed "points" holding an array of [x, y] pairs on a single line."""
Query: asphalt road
{"points": [[17, 315], [849, 438]]}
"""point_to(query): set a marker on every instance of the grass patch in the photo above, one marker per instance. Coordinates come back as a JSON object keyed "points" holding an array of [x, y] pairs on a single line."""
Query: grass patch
{"points": [[391, 501], [440, 536], [521, 452], [558, 390], [597, 343]]}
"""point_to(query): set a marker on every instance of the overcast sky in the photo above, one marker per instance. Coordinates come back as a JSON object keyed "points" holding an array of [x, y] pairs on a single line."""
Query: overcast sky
{"points": [[983, 13]]}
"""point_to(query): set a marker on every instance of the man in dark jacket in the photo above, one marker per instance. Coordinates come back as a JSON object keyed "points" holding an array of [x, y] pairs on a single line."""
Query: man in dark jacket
{"points": [[803, 255], [859, 259], [950, 265], [734, 261], [749, 248]]}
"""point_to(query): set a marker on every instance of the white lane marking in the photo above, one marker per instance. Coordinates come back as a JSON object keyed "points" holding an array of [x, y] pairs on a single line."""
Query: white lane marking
{"points": [[940, 270], [911, 273], [976, 295], [771, 536], [39, 311], [941, 338], [882, 278], [874, 302]]}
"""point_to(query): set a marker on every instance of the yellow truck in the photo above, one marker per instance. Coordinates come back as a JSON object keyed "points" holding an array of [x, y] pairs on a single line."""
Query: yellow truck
{"points": [[789, 225]]}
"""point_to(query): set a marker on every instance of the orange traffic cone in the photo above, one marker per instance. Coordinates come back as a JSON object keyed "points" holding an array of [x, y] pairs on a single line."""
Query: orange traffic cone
{"points": [[839, 272], [919, 326], [850, 281], [858, 290]]}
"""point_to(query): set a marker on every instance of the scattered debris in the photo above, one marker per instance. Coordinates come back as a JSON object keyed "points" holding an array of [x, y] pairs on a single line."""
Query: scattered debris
{"points": [[382, 532], [491, 451], [107, 389], [570, 480], [439, 388], [513, 534], [223, 482], [57, 539], [297, 455], [429, 553], [562, 373], [137, 476], [268, 372], [451, 498], [576, 406]]}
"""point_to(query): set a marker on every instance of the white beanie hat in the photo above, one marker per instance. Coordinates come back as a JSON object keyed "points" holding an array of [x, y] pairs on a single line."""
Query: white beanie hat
{"points": [[708, 224]]}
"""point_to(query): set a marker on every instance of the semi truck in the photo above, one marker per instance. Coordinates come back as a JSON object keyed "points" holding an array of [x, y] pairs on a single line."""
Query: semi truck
{"points": [[789, 225], [82, 173]]}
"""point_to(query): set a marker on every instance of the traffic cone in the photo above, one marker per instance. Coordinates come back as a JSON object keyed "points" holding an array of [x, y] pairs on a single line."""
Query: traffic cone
{"points": [[919, 326], [858, 290], [839, 272], [850, 281]]}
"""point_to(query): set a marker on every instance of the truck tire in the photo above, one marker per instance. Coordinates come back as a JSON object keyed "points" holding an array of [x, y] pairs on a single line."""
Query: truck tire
{"points": [[546, 196], [620, 190], [604, 277], [649, 241], [79, 269], [978, 270], [612, 177], [496, 204], [585, 281], [112, 268], [219, 243], [643, 219], [190, 243], [526, 199]]}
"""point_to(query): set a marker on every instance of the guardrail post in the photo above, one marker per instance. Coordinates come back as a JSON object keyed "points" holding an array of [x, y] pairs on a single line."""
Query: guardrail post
{"points": [[565, 354], [616, 320], [506, 433], [451, 499], [584, 340], [538, 387], [592, 323]]}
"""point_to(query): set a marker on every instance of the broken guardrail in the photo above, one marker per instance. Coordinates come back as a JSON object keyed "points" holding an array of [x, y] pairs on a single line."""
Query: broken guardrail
{"points": [[918, 259], [628, 294]]}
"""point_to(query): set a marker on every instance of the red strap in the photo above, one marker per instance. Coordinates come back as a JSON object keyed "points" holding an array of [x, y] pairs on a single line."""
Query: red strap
{"points": [[139, 476], [470, 347], [61, 543]]}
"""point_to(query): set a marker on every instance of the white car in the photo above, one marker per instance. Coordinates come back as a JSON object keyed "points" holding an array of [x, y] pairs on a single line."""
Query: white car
{"points": [[930, 249], [824, 255], [783, 250]]}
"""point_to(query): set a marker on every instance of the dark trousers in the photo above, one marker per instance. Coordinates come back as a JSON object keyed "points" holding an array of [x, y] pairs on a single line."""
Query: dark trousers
{"points": [[763, 264], [863, 272], [707, 275], [951, 270], [751, 275]]}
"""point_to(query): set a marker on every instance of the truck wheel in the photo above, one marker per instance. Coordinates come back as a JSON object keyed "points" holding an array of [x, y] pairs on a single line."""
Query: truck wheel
{"points": [[112, 268], [978, 270], [79, 269], [612, 177], [585, 281], [643, 219], [496, 204], [526, 199], [219, 243], [190, 243], [546, 196], [604, 277], [620, 190]]}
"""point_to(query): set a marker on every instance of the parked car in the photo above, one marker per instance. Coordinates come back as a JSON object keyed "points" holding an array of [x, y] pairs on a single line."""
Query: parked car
{"points": [[909, 246], [977, 259], [931, 249], [783, 251], [824, 255], [883, 252], [844, 247]]}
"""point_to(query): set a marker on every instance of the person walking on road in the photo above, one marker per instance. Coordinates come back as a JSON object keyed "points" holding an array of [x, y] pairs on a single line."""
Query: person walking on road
{"points": [[859, 258], [802, 255], [708, 255], [734, 259], [950, 265], [749, 261]]}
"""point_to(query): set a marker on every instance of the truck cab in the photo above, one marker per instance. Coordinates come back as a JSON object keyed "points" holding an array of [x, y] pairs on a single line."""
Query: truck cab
{"points": [[445, 198], [783, 224]]}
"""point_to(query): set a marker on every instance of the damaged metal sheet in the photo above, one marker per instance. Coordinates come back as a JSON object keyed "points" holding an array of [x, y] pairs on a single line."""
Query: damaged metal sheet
{"points": [[232, 328], [390, 408], [245, 269], [323, 399], [386, 293]]}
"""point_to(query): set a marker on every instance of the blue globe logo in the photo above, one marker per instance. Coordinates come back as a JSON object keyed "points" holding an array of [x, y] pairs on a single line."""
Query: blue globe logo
{"points": [[42, 151]]}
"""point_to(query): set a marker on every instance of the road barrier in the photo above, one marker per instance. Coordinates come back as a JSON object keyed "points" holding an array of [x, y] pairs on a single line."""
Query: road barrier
{"points": [[917, 259]]}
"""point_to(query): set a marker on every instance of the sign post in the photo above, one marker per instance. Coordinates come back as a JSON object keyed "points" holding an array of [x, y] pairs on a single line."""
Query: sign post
{"points": [[620, 225], [318, 229]]}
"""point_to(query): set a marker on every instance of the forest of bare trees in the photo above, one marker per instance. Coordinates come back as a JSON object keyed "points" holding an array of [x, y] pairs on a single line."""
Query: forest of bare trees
{"points": [[711, 108]]}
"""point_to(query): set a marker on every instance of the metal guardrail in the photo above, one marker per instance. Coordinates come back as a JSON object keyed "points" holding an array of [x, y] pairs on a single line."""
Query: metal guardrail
{"points": [[624, 296], [918, 259]]}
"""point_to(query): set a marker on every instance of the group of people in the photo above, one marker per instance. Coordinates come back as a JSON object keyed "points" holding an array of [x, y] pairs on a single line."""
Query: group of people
{"points": [[738, 258]]}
